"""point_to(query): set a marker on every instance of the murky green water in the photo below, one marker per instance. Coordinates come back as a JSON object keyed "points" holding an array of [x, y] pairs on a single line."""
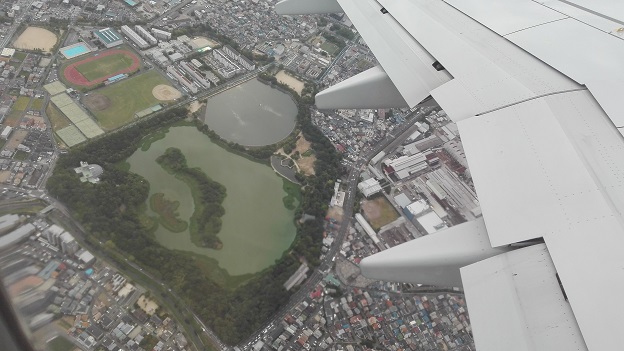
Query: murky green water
{"points": [[257, 228]]}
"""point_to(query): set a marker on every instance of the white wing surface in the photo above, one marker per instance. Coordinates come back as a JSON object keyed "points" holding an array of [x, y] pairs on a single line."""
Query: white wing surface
{"points": [[537, 91]]}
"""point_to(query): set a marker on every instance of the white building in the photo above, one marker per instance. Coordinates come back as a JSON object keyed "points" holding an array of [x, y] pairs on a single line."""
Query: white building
{"points": [[85, 257], [6, 132], [431, 222], [179, 76], [53, 233], [230, 68], [369, 187], [135, 37], [145, 35], [367, 228], [244, 61], [195, 74], [418, 207], [90, 172], [69, 245], [161, 34]]}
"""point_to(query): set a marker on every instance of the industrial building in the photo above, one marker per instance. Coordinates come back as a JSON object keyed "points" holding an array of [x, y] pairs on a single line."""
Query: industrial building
{"points": [[16, 236], [193, 72], [297, 277], [402, 200], [135, 37], [145, 34], [108, 37], [367, 228], [369, 187], [179, 76], [377, 157], [8, 222], [161, 34], [431, 222], [404, 166]]}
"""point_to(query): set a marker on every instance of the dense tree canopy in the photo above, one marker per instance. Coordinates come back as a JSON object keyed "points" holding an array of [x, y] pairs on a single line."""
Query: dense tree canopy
{"points": [[111, 210]]}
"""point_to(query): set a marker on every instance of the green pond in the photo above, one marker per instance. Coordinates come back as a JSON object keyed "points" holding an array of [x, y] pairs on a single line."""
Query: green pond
{"points": [[257, 228]]}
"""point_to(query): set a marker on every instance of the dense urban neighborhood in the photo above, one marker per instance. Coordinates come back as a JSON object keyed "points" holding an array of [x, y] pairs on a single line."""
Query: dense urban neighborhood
{"points": [[88, 88]]}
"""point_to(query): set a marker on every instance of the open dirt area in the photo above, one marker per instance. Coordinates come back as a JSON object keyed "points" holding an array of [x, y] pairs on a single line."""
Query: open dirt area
{"points": [[305, 163], [195, 106], [4, 176], [36, 38], [148, 306], [96, 102], [16, 138], [23, 285], [203, 41], [164, 92], [379, 212], [292, 82]]}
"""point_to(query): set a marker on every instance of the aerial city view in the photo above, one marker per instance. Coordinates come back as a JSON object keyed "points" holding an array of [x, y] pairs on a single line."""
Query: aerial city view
{"points": [[168, 183]]}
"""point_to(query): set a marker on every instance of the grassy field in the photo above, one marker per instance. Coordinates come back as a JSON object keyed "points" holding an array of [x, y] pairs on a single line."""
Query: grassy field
{"points": [[21, 103], [13, 118], [37, 104], [60, 344], [330, 47], [104, 66], [20, 56], [17, 111], [20, 155], [126, 98], [57, 119], [379, 212]]}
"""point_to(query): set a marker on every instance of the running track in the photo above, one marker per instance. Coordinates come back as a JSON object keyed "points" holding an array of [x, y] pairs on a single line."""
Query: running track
{"points": [[74, 77]]}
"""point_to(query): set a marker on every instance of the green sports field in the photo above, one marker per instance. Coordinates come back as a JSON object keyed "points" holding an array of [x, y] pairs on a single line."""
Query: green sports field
{"points": [[329, 47], [104, 66], [116, 104]]}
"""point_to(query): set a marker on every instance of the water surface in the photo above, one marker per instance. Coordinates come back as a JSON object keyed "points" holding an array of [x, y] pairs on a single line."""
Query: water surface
{"points": [[257, 228], [251, 114]]}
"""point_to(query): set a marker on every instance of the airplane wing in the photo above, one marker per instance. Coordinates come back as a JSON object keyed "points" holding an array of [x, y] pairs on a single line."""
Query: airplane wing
{"points": [[537, 91]]}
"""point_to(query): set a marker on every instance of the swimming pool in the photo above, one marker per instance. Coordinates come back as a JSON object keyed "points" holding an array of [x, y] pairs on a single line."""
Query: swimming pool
{"points": [[74, 50]]}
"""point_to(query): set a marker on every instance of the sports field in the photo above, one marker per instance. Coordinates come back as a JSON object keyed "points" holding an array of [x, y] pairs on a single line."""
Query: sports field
{"points": [[88, 72], [329, 47], [104, 66], [116, 104]]}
